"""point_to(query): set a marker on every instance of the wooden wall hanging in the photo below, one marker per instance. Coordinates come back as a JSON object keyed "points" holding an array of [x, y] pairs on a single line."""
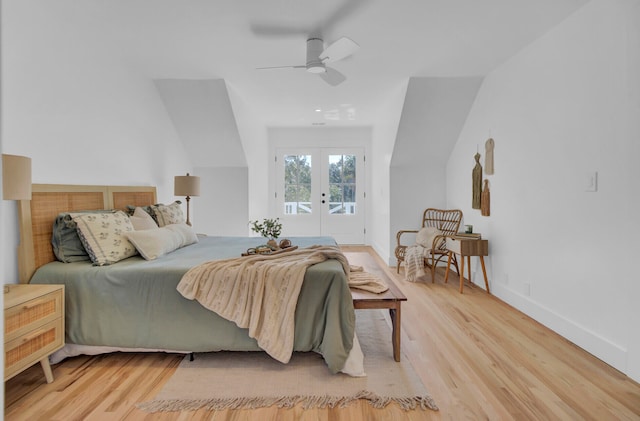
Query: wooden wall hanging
{"points": [[488, 156], [477, 183], [485, 205]]}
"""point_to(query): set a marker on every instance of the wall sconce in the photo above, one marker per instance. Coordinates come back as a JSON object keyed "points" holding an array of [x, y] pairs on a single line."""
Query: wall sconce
{"points": [[186, 185], [16, 177]]}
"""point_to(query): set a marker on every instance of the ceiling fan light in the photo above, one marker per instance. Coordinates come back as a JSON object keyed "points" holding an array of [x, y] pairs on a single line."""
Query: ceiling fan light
{"points": [[316, 68]]}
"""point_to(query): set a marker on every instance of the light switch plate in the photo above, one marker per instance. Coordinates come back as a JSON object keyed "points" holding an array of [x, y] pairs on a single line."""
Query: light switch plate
{"points": [[591, 181]]}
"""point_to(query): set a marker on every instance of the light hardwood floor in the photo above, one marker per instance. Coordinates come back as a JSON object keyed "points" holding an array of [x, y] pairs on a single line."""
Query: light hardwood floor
{"points": [[479, 358]]}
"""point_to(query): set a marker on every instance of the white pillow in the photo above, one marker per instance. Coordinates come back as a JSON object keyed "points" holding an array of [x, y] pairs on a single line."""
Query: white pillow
{"points": [[141, 220], [168, 214], [426, 235], [189, 236], [103, 236], [154, 243]]}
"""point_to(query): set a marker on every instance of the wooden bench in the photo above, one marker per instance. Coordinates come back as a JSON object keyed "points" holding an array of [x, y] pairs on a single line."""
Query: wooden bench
{"points": [[391, 299]]}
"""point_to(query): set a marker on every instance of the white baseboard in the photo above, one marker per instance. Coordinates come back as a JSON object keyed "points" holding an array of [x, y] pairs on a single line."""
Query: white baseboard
{"points": [[384, 254], [602, 348]]}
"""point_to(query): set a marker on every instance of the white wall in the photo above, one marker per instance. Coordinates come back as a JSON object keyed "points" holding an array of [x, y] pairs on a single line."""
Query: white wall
{"points": [[222, 209], [75, 106], [203, 117], [255, 143], [383, 140], [562, 107], [433, 114], [633, 56]]}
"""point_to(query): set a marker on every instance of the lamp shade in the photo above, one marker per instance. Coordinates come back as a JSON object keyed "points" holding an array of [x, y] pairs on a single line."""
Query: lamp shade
{"points": [[16, 177], [186, 185]]}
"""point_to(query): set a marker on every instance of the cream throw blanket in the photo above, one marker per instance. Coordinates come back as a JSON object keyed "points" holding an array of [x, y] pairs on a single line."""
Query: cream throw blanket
{"points": [[414, 262], [366, 281], [258, 292], [414, 255]]}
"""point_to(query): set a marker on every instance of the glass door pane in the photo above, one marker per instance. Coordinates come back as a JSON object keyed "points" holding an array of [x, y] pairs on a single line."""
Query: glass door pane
{"points": [[297, 197], [297, 184], [342, 184]]}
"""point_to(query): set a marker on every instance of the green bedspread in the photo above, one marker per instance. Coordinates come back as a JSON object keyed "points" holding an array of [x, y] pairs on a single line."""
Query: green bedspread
{"points": [[134, 304]]}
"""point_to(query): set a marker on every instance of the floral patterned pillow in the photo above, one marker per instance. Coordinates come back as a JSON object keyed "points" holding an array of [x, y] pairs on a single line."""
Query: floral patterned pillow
{"points": [[103, 236], [168, 214]]}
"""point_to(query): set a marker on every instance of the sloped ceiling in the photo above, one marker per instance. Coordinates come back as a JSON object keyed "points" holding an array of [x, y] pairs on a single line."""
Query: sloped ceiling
{"points": [[219, 39], [433, 114], [195, 49], [203, 118]]}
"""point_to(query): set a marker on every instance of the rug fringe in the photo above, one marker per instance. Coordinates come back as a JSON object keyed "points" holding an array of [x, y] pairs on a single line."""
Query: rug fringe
{"points": [[307, 402]]}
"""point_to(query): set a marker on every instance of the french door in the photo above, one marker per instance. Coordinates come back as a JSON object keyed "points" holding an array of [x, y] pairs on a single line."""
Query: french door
{"points": [[320, 191]]}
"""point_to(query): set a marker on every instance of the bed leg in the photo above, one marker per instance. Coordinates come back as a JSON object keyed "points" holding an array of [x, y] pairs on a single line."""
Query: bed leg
{"points": [[192, 356]]}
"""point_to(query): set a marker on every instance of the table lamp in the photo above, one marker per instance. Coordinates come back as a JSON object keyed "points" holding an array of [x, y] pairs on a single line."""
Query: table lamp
{"points": [[16, 177], [16, 183], [187, 185]]}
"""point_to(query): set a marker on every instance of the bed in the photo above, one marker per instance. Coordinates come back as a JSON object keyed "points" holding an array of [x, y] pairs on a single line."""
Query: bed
{"points": [[133, 305]]}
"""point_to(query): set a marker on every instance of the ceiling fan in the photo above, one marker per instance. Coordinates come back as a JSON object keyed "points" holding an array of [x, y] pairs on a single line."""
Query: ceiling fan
{"points": [[318, 57]]}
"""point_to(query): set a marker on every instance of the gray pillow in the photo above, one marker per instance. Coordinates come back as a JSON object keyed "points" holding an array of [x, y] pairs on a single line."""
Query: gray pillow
{"points": [[66, 243]]}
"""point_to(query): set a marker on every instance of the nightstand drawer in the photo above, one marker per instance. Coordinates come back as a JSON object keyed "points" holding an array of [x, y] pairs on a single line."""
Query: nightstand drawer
{"points": [[31, 314], [32, 347], [468, 247]]}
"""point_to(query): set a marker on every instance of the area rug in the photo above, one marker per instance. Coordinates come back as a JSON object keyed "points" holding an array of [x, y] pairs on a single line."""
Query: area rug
{"points": [[249, 380]]}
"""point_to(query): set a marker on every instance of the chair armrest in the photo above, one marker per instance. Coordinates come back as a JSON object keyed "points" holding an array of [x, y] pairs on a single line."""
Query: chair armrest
{"points": [[400, 233]]}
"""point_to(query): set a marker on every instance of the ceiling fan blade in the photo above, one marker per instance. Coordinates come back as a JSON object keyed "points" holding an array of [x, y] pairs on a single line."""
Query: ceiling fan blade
{"points": [[344, 12], [332, 77], [340, 49], [302, 66]]}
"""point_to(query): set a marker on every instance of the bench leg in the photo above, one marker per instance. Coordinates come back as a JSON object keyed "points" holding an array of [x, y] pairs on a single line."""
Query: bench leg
{"points": [[395, 321]]}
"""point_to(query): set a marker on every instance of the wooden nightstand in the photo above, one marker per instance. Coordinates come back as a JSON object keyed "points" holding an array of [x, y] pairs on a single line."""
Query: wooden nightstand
{"points": [[467, 247], [33, 327]]}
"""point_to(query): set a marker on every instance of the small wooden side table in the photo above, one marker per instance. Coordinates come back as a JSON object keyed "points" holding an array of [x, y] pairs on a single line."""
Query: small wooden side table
{"points": [[33, 326], [467, 247]]}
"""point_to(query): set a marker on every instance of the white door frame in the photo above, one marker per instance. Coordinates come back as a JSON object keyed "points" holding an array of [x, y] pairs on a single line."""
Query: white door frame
{"points": [[345, 228]]}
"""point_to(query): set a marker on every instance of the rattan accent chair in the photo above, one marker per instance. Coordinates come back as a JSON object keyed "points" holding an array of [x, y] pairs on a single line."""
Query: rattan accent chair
{"points": [[447, 221]]}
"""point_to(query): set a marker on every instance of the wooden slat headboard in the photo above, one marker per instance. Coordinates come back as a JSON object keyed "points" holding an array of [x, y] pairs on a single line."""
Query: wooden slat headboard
{"points": [[36, 216]]}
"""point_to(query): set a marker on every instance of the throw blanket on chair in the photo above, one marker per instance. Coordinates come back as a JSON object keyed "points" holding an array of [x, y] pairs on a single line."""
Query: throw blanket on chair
{"points": [[414, 262], [258, 292]]}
